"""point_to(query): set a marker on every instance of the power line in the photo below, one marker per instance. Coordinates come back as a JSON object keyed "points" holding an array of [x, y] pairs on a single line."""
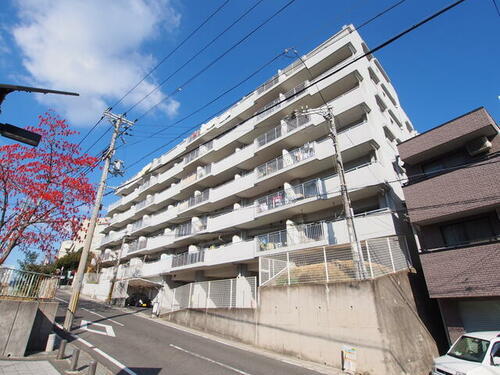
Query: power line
{"points": [[262, 67], [172, 52], [155, 67], [496, 7], [204, 69], [299, 92], [157, 87]]}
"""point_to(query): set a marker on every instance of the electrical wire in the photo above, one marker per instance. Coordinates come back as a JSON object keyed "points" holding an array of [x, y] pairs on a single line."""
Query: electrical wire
{"points": [[157, 87], [172, 52], [258, 70], [218, 58], [299, 92], [155, 67]]}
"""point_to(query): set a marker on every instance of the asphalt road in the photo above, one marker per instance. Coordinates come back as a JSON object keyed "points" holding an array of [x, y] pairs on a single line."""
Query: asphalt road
{"points": [[147, 347]]}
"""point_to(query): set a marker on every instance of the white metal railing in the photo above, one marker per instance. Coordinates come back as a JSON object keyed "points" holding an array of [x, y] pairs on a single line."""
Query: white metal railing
{"points": [[380, 256], [144, 203], [293, 157], [228, 293], [284, 197], [273, 81], [189, 228], [24, 284], [188, 258], [197, 199], [137, 244], [300, 234]]}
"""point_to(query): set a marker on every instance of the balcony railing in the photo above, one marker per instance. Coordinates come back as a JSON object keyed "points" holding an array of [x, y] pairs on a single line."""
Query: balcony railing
{"points": [[144, 203], [136, 245], [197, 199], [293, 157], [269, 136], [139, 224], [273, 81], [188, 258], [284, 197], [191, 156], [301, 234], [278, 131]]}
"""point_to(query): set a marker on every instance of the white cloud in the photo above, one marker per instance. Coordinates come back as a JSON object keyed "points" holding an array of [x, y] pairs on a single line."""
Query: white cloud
{"points": [[92, 47]]}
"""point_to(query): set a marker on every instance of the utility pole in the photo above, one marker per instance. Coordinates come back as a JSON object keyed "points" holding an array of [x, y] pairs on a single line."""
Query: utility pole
{"points": [[117, 121], [356, 250], [115, 269]]}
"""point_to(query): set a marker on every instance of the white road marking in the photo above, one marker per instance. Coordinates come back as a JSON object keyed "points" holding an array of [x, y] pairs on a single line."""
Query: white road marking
{"points": [[209, 360], [109, 330], [102, 316], [93, 312], [117, 363]]}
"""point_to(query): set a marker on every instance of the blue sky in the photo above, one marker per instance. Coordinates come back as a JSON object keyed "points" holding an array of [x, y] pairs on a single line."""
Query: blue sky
{"points": [[440, 71]]}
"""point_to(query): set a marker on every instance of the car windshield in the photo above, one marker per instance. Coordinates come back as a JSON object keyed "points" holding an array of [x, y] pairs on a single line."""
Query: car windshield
{"points": [[469, 349]]}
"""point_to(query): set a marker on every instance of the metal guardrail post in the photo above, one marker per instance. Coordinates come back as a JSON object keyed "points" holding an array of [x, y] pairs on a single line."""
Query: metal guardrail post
{"points": [[369, 258], [50, 342], [288, 266], [74, 359], [62, 349], [326, 265], [390, 254], [92, 368]]}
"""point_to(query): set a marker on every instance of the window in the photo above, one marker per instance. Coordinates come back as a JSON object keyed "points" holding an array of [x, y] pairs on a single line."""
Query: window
{"points": [[467, 231], [470, 349], [449, 161]]}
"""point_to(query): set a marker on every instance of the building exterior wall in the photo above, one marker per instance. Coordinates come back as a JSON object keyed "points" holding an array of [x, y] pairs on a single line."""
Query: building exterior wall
{"points": [[204, 206], [378, 318], [449, 187]]}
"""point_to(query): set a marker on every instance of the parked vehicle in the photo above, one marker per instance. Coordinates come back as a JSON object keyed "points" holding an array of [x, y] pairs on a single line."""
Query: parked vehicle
{"points": [[475, 353], [138, 300]]}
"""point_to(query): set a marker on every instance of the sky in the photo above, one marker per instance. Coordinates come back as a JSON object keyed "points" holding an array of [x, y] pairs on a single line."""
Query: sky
{"points": [[102, 49]]}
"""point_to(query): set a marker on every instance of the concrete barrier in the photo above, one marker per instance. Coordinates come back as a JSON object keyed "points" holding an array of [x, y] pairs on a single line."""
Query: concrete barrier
{"points": [[378, 318], [25, 326]]}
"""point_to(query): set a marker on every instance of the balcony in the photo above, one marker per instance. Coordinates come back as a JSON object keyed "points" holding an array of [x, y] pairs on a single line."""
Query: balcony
{"points": [[144, 203], [293, 157], [282, 198], [306, 234], [194, 200], [187, 258]]}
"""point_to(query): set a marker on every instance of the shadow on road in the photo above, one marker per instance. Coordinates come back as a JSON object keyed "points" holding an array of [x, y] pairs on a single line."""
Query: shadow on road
{"points": [[141, 371]]}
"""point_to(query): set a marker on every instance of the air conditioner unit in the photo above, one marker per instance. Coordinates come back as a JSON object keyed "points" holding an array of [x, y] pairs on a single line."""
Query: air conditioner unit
{"points": [[478, 146]]}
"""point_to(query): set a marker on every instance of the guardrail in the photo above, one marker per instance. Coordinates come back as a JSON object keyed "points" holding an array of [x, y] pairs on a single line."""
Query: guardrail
{"points": [[23, 284], [325, 264]]}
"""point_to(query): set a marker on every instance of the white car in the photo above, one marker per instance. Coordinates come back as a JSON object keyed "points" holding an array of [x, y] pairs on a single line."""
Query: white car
{"points": [[475, 353]]}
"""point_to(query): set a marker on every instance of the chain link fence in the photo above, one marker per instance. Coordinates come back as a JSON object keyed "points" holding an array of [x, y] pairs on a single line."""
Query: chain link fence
{"points": [[380, 256], [24, 284], [240, 292]]}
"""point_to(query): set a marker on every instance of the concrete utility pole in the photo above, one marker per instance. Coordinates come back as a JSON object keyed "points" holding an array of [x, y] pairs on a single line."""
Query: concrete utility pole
{"points": [[115, 269], [117, 121], [357, 254]]}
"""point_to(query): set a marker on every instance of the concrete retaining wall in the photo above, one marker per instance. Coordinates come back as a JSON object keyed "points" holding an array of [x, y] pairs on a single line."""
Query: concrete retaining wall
{"points": [[98, 292], [315, 321], [25, 326]]}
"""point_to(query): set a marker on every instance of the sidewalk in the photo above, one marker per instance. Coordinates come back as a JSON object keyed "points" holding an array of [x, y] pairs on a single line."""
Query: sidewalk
{"points": [[21, 367], [47, 364]]}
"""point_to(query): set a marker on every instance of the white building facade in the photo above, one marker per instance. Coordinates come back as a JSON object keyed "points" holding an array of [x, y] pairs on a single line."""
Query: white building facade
{"points": [[244, 186]]}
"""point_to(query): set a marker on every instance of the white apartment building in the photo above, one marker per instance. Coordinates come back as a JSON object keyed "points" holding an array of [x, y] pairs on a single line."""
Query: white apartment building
{"points": [[243, 187]]}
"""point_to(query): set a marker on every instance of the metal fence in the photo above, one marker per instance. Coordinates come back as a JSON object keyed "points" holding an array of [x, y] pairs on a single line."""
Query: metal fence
{"points": [[23, 284], [380, 256], [228, 293], [301, 234]]}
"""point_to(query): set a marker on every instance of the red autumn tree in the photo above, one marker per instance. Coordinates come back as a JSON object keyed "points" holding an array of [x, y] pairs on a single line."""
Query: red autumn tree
{"points": [[43, 190]]}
